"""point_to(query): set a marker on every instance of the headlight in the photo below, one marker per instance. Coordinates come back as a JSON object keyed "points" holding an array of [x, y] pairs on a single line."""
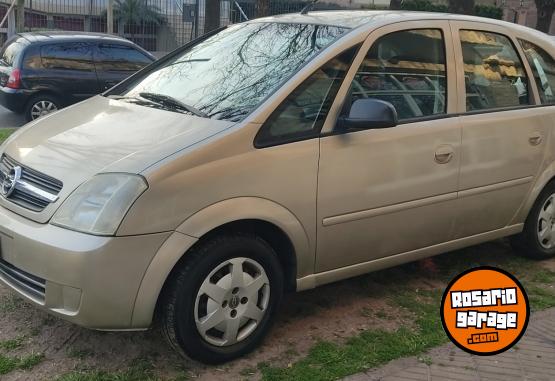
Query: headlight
{"points": [[99, 205]]}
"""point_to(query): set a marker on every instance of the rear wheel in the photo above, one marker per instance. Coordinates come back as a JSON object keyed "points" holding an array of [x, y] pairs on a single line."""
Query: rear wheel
{"points": [[220, 303], [538, 237], [41, 105]]}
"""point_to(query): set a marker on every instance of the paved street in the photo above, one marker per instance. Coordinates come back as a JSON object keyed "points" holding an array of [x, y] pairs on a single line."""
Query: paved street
{"points": [[533, 358], [9, 119]]}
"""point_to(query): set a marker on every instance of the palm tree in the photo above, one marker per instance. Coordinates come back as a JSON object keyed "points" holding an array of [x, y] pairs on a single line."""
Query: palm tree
{"points": [[136, 12]]}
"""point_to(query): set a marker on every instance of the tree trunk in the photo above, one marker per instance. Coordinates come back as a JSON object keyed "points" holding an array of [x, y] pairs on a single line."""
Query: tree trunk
{"points": [[463, 7], [212, 12], [395, 4], [20, 26], [110, 17], [545, 14], [262, 8]]}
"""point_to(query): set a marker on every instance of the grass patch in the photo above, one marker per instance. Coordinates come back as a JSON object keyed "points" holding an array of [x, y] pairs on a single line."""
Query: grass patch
{"points": [[5, 133], [9, 364], [544, 276], [11, 302], [140, 370], [10, 345], [418, 308]]}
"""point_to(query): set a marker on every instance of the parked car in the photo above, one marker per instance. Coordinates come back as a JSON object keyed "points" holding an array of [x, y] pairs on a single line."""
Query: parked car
{"points": [[43, 72], [279, 155]]}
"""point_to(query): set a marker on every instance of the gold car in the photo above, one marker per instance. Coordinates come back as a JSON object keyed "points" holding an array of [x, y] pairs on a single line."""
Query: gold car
{"points": [[278, 155]]}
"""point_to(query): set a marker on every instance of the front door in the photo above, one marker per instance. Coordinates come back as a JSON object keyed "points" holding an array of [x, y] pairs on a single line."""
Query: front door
{"points": [[388, 191]]}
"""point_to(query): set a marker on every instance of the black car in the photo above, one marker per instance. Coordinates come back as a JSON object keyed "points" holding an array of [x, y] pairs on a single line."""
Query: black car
{"points": [[42, 72]]}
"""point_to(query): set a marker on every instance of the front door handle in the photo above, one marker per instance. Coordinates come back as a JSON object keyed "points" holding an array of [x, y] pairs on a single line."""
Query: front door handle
{"points": [[535, 139], [444, 154]]}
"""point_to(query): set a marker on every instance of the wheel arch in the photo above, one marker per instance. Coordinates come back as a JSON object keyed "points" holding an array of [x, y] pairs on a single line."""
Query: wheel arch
{"points": [[547, 176], [42, 92], [274, 223]]}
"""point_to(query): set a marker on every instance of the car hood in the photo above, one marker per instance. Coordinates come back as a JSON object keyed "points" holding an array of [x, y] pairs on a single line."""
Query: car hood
{"points": [[102, 135]]}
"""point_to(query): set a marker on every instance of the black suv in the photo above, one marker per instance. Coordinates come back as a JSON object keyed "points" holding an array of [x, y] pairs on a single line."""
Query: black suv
{"points": [[42, 72]]}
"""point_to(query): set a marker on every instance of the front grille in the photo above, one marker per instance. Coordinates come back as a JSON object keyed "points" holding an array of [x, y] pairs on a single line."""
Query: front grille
{"points": [[23, 281], [23, 196]]}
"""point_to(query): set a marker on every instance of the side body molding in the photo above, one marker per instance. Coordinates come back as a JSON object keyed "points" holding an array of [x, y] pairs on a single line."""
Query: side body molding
{"points": [[202, 222]]}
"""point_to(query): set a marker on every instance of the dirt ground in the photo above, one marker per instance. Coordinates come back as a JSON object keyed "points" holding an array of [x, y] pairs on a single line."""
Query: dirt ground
{"points": [[333, 312]]}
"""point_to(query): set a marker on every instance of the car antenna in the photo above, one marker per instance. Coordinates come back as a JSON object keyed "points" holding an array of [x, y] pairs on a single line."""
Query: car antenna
{"points": [[308, 7]]}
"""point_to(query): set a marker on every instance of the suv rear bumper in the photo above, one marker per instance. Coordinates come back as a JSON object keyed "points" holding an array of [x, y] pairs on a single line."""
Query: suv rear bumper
{"points": [[14, 100], [88, 280]]}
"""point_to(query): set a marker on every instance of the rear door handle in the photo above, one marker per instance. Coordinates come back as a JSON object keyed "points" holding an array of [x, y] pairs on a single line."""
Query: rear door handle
{"points": [[535, 139], [444, 154]]}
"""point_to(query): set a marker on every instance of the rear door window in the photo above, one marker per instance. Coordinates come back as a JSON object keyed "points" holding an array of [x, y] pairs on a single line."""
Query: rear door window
{"points": [[113, 57], [493, 72], [543, 69], [68, 56]]}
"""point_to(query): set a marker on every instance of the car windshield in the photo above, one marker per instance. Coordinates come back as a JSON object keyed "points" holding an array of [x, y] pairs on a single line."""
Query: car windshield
{"points": [[10, 52], [227, 75]]}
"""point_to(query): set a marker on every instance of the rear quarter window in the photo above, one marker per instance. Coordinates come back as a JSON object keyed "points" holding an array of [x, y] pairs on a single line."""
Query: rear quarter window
{"points": [[10, 53]]}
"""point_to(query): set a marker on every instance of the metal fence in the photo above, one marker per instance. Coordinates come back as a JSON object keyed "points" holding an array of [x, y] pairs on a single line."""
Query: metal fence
{"points": [[156, 25]]}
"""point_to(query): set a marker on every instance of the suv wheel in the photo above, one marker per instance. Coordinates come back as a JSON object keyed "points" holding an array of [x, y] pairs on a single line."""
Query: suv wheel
{"points": [[41, 105], [220, 303], [538, 237]]}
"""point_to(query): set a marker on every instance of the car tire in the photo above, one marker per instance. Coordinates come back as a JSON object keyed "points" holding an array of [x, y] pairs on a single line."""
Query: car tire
{"points": [[186, 306], [45, 102], [537, 239]]}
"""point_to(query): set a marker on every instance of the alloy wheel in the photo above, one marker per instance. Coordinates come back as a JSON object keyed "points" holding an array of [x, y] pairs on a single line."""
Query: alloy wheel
{"points": [[546, 223], [232, 301], [42, 108]]}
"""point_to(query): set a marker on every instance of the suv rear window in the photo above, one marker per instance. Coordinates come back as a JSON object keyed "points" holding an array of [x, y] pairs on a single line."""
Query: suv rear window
{"points": [[11, 52]]}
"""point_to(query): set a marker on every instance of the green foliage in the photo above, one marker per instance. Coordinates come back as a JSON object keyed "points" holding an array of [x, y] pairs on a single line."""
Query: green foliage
{"points": [[423, 6], [137, 12], [488, 11]]}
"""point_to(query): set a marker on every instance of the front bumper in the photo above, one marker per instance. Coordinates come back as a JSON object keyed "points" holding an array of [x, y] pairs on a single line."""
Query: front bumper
{"points": [[89, 280]]}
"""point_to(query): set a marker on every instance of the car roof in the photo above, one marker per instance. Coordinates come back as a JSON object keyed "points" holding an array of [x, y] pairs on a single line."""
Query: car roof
{"points": [[59, 36], [358, 18]]}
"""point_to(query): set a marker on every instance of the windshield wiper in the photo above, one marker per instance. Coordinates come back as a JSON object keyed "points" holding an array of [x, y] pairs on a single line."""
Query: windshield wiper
{"points": [[170, 102]]}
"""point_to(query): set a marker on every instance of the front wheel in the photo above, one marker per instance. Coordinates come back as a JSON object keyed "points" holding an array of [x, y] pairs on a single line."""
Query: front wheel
{"points": [[220, 302], [538, 237]]}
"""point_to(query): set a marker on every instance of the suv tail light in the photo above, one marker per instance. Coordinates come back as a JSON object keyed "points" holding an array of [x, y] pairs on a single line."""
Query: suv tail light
{"points": [[14, 81]]}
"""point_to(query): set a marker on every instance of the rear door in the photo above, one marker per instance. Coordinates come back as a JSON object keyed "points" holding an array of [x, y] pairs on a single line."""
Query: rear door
{"points": [[503, 137], [115, 62], [69, 70]]}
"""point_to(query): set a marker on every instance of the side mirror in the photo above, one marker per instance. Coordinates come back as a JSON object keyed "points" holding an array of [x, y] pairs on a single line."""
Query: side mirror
{"points": [[369, 113]]}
